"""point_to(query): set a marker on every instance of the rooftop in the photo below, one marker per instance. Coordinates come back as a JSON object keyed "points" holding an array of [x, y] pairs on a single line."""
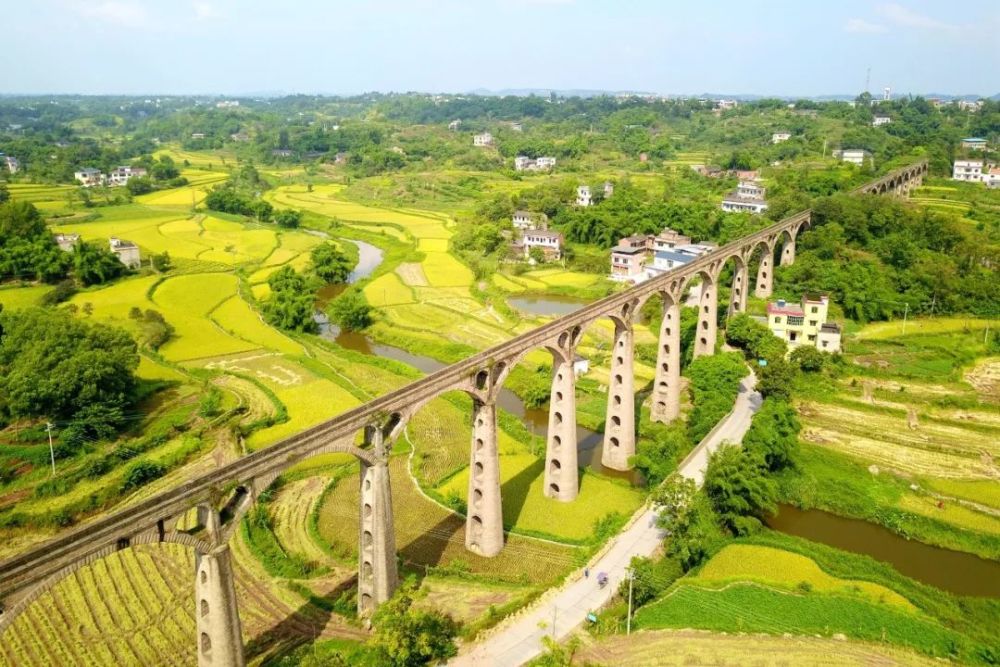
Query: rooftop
{"points": [[681, 257], [627, 250], [786, 309]]}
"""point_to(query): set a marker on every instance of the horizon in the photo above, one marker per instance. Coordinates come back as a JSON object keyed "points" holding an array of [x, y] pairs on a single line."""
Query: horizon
{"points": [[224, 47]]}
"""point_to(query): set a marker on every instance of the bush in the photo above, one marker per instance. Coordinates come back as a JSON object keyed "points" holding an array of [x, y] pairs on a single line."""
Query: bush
{"points": [[715, 381], [351, 311], [409, 637], [739, 489], [774, 434], [808, 358], [141, 473]]}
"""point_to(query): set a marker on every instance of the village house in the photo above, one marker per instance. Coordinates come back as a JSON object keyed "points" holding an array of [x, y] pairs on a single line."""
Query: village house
{"points": [[239, 136], [225, 104], [89, 177], [609, 189], [881, 120], [745, 174], [482, 139], [67, 242], [581, 366], [853, 155], [455, 124], [780, 136], [121, 175], [974, 143], [723, 105], [991, 177], [748, 197], [664, 260], [10, 162], [583, 195], [550, 243], [970, 105], [967, 170], [805, 323], [709, 172], [517, 127], [127, 252], [197, 135], [668, 239], [525, 163], [627, 263], [340, 158], [524, 220], [281, 152]]}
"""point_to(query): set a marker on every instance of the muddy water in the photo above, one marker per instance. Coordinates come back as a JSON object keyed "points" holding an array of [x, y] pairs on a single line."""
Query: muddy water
{"points": [[547, 306], [954, 571], [535, 419]]}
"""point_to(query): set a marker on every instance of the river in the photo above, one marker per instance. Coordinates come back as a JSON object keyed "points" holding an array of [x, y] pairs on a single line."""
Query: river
{"points": [[954, 571], [535, 419]]}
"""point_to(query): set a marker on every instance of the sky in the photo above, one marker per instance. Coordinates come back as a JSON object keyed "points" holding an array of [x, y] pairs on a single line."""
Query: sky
{"points": [[749, 47]]}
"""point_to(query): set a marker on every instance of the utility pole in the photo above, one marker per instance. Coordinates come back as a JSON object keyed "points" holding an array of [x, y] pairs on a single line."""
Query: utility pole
{"points": [[906, 309], [553, 621], [628, 621], [52, 452]]}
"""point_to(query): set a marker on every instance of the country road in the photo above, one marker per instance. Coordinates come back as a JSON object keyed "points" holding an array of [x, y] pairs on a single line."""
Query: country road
{"points": [[557, 615]]}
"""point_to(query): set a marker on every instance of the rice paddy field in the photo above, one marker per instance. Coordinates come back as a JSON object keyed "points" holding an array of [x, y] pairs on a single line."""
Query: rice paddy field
{"points": [[921, 413]]}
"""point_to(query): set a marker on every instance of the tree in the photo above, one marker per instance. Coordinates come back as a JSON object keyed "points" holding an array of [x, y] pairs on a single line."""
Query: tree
{"points": [[55, 366], [687, 519], [409, 637], [4, 193], [94, 264], [331, 264], [161, 262], [291, 304], [776, 378], [288, 218], [351, 311], [739, 490], [139, 185], [773, 435], [537, 255], [808, 358]]}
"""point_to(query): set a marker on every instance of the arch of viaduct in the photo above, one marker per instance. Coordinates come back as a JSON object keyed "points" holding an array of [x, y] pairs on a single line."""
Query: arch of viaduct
{"points": [[222, 497]]}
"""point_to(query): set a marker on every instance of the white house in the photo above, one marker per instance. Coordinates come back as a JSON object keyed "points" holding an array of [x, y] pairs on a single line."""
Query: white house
{"points": [[664, 260], [805, 323], [967, 170], [974, 143], [524, 220], [67, 242], [522, 162], [581, 366], [780, 136], [549, 242], [10, 162], [197, 135], [89, 177], [517, 127], [991, 177], [609, 189], [127, 252], [482, 139], [627, 263], [668, 239], [583, 195], [750, 190], [525, 163], [545, 162], [853, 155], [121, 175], [881, 120], [455, 124]]}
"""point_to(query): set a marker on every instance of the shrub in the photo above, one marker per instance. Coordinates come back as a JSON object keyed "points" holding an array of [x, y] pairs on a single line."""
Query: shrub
{"points": [[141, 473]]}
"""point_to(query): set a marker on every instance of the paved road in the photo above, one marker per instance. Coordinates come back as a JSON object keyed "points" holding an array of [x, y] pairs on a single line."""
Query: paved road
{"points": [[521, 639]]}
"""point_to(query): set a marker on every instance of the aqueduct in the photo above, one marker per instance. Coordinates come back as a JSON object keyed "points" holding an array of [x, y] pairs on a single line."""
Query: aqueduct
{"points": [[222, 497]]}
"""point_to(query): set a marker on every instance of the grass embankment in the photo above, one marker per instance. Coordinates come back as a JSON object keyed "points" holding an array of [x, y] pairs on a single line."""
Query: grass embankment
{"points": [[904, 438], [778, 584]]}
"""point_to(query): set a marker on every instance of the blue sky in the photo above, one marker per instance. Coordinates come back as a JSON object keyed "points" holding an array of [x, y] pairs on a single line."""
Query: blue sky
{"points": [[806, 47]]}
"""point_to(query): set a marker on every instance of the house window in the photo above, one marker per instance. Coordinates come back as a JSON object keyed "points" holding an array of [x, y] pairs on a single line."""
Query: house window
{"points": [[791, 336], [812, 323], [777, 320], [815, 309], [794, 320], [812, 337], [825, 342]]}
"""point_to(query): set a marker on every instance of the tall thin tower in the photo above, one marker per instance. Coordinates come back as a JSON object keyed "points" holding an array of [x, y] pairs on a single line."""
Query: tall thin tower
{"points": [[886, 94], [868, 80]]}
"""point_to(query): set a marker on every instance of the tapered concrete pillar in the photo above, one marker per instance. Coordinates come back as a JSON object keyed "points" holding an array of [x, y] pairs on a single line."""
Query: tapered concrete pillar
{"points": [[764, 278], [667, 383], [738, 294], [788, 252], [484, 519], [377, 575], [619, 421], [561, 474], [708, 315], [220, 641]]}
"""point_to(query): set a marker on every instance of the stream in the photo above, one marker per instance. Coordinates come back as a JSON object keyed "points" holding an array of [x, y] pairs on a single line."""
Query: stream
{"points": [[535, 420]]}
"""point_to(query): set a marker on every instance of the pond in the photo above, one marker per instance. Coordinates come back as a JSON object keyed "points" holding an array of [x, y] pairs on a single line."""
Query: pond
{"points": [[954, 571], [547, 306]]}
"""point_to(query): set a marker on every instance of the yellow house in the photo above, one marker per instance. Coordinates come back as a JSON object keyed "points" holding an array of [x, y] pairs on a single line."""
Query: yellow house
{"points": [[805, 323]]}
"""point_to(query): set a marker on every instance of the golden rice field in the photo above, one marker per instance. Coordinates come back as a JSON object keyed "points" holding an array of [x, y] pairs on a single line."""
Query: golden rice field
{"points": [[784, 569]]}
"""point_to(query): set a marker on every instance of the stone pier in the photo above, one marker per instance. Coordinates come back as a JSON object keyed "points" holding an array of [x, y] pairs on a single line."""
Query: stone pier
{"points": [[704, 339], [217, 616], [561, 475], [667, 383], [619, 424], [484, 518], [738, 294], [788, 252], [764, 278], [377, 574]]}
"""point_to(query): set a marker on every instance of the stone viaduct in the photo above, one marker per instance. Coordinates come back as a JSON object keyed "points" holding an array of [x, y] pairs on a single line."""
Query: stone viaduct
{"points": [[222, 497]]}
